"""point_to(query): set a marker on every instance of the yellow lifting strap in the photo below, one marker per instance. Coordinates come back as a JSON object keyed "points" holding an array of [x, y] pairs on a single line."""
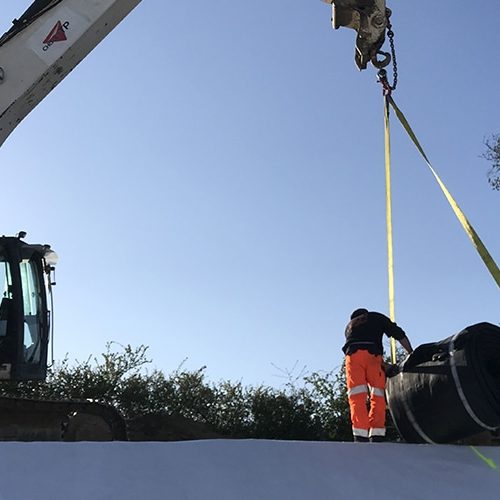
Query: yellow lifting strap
{"points": [[388, 206], [476, 240]]}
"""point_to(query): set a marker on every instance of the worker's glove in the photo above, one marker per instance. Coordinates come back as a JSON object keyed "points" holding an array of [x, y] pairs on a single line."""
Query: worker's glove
{"points": [[390, 369]]}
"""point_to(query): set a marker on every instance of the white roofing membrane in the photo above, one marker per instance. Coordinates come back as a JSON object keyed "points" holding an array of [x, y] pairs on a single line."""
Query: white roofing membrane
{"points": [[246, 469]]}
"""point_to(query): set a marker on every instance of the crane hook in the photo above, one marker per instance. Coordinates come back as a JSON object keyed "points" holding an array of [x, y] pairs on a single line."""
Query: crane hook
{"points": [[384, 62]]}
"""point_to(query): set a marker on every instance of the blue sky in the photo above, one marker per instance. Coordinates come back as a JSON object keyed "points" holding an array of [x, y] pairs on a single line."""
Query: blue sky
{"points": [[212, 178]]}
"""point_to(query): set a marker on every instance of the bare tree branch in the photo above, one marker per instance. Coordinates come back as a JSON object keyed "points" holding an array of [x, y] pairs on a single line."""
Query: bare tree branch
{"points": [[492, 154]]}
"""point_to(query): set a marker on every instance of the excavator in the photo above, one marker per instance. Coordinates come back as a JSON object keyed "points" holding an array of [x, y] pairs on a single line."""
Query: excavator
{"points": [[38, 51]]}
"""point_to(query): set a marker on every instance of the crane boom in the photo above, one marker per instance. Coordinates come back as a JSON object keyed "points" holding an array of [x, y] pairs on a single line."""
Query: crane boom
{"points": [[44, 45]]}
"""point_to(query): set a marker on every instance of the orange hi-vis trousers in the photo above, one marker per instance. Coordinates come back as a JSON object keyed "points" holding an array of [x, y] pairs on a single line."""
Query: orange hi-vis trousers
{"points": [[364, 372]]}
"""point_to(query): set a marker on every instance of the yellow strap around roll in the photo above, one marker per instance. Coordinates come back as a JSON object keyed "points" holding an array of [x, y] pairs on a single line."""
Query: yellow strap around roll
{"points": [[478, 244]]}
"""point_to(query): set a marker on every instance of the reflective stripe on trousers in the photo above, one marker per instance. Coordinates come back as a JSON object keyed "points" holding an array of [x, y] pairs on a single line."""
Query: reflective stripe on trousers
{"points": [[375, 391], [359, 389], [363, 372], [377, 432], [360, 432]]}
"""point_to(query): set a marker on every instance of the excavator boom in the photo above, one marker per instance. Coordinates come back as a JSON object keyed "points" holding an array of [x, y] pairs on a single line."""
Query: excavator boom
{"points": [[44, 45], [369, 19]]}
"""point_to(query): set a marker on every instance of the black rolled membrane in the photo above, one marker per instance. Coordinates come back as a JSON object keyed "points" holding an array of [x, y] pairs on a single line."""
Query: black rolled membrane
{"points": [[449, 390]]}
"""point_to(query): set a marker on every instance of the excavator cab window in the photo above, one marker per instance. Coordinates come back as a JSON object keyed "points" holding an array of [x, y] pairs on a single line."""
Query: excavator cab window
{"points": [[6, 287], [24, 313], [32, 298]]}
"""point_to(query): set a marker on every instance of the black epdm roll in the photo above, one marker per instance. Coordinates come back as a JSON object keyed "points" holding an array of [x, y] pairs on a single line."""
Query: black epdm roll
{"points": [[449, 390]]}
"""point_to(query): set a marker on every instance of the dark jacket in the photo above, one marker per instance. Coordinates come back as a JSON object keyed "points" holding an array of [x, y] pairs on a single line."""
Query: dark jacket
{"points": [[366, 332]]}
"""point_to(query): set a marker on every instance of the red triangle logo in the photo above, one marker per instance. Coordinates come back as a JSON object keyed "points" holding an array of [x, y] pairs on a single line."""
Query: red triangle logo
{"points": [[56, 34]]}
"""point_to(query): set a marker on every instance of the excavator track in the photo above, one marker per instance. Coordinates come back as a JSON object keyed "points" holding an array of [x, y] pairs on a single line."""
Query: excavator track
{"points": [[45, 420]]}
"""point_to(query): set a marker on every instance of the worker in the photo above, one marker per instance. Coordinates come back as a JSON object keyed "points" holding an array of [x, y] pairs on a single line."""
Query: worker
{"points": [[365, 371]]}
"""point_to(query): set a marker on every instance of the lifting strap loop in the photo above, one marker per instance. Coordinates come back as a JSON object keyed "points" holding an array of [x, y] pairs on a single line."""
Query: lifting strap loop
{"points": [[478, 244], [388, 204]]}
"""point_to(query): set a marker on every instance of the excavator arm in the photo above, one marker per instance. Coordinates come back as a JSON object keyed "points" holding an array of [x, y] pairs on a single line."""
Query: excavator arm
{"points": [[44, 45], [369, 19]]}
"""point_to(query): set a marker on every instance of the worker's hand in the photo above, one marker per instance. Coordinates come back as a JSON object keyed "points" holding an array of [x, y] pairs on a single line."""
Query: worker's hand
{"points": [[390, 369]]}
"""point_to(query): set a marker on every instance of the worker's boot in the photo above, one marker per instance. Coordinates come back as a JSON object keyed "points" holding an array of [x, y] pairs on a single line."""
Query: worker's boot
{"points": [[377, 439], [360, 439]]}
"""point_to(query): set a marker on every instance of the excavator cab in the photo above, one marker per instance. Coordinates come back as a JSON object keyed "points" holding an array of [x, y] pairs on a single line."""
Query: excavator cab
{"points": [[369, 19], [26, 279]]}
